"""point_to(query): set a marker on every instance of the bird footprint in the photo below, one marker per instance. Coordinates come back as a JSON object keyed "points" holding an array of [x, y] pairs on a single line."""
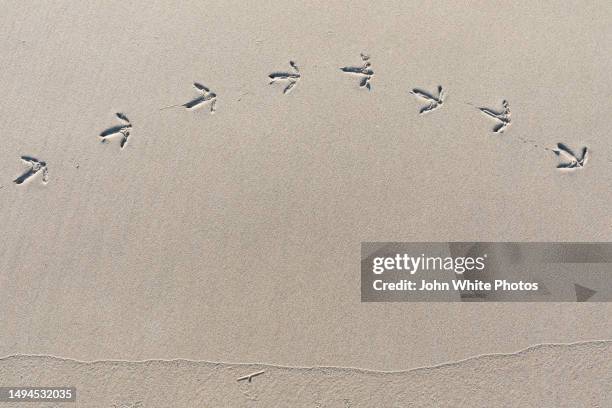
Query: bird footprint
{"points": [[502, 116], [206, 96], [291, 77], [122, 130], [365, 71], [571, 160], [35, 166], [434, 101]]}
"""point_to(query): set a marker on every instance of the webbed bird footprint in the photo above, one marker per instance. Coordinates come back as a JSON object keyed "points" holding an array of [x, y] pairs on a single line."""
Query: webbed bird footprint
{"points": [[206, 96], [35, 166], [434, 101], [291, 77], [122, 130], [365, 71], [503, 116], [571, 160]]}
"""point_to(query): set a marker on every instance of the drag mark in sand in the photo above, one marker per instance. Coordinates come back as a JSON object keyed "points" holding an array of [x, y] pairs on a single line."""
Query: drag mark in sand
{"points": [[291, 77], [122, 130], [572, 161], [503, 116], [35, 166], [434, 101], [365, 71]]}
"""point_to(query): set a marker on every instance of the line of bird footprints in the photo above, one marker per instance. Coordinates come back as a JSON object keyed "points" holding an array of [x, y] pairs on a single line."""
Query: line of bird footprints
{"points": [[569, 159]]}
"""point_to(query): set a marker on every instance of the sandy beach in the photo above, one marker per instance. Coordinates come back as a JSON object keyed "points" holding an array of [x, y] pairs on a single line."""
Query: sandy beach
{"points": [[558, 376], [219, 217]]}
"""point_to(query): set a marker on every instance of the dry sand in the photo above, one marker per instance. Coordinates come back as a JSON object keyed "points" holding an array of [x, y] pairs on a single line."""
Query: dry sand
{"points": [[235, 236]]}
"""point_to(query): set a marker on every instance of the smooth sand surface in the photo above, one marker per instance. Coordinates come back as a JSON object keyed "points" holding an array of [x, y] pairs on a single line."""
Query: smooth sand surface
{"points": [[235, 236]]}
